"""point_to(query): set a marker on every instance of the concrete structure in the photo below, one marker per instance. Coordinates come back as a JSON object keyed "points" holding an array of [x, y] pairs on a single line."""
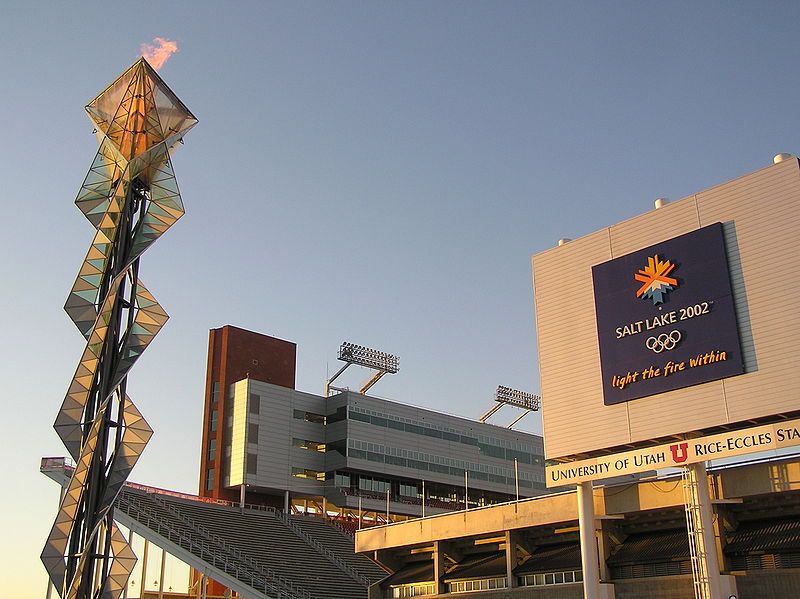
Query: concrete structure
{"points": [[531, 548], [760, 221], [268, 443], [694, 363]]}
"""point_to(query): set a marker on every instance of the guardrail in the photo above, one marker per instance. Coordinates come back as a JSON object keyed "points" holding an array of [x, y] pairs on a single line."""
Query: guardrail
{"points": [[266, 570], [205, 551], [351, 572]]}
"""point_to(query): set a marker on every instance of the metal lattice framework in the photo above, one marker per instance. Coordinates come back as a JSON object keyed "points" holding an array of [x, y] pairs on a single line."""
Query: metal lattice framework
{"points": [[131, 197], [506, 396], [350, 353]]}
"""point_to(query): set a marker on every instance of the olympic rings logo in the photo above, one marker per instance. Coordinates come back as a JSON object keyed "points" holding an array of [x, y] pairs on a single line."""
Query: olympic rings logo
{"points": [[664, 342]]}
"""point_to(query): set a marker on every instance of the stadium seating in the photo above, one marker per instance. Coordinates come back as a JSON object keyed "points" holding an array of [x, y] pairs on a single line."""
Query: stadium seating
{"points": [[300, 556]]}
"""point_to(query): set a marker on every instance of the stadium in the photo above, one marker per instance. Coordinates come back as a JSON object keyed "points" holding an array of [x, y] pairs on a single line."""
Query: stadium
{"points": [[665, 342]]}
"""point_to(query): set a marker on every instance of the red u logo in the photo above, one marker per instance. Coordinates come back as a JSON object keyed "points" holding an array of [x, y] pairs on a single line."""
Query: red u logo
{"points": [[679, 453]]}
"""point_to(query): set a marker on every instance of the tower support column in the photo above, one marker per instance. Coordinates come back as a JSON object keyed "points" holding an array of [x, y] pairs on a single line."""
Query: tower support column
{"points": [[705, 540], [512, 558], [589, 556], [438, 567]]}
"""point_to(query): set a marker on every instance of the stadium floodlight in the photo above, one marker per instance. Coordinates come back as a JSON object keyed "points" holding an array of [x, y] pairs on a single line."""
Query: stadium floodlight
{"points": [[371, 358], [514, 397], [350, 353]]}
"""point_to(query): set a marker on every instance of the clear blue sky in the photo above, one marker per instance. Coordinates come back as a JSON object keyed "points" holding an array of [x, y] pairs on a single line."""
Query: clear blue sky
{"points": [[374, 172]]}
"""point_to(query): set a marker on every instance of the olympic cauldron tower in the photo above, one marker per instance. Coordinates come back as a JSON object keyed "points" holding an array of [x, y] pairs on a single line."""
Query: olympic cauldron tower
{"points": [[131, 197]]}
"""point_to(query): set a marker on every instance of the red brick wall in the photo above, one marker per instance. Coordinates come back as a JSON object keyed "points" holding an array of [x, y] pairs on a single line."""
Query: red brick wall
{"points": [[235, 354]]}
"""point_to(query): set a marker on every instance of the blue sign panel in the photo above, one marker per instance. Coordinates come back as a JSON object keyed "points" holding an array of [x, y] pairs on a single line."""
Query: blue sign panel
{"points": [[665, 317]]}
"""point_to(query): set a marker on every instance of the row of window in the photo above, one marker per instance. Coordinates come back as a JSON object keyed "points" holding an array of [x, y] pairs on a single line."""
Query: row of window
{"points": [[493, 446], [436, 459], [376, 485], [375, 452], [511, 444], [214, 392], [455, 434], [254, 407], [484, 584], [410, 590], [538, 580], [419, 428], [427, 467], [409, 490], [438, 427]]}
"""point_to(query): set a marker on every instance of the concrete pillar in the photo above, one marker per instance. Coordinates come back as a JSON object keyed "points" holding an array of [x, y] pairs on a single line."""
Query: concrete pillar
{"points": [[286, 501], [438, 567], [512, 558], [589, 558], [144, 568], [722, 523], [161, 578], [708, 546], [604, 547]]}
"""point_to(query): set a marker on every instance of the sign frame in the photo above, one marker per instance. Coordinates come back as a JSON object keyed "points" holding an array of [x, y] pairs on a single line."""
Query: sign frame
{"points": [[666, 317]]}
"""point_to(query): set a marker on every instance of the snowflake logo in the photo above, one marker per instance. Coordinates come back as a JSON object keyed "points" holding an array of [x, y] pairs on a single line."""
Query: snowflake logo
{"points": [[655, 279]]}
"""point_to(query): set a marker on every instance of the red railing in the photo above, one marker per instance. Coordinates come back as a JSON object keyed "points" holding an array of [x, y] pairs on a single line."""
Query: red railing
{"points": [[178, 494]]}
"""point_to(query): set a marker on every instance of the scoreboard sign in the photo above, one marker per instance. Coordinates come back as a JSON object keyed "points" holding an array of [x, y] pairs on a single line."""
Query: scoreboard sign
{"points": [[678, 454], [665, 317]]}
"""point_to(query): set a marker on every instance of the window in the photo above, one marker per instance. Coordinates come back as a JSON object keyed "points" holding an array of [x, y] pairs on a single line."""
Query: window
{"points": [[305, 473], [213, 422], [565, 577], [375, 485], [407, 490], [252, 463], [309, 417], [338, 416], [481, 584], [357, 454], [252, 433], [255, 403], [214, 393], [210, 479], [417, 589], [356, 416], [212, 449], [310, 445]]}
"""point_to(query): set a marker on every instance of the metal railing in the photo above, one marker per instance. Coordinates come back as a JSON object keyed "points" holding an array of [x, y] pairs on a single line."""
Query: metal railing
{"points": [[347, 569], [205, 551], [216, 539]]}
